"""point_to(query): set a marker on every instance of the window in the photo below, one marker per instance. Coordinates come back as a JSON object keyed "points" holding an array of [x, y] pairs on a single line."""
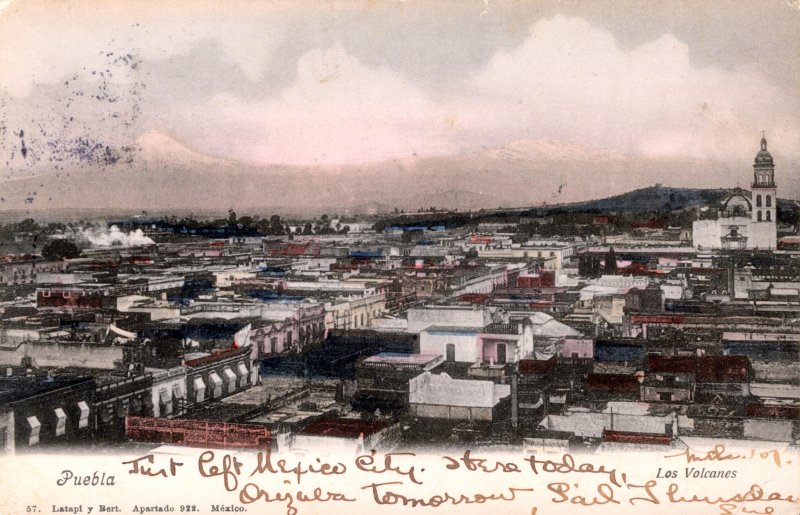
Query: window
{"points": [[769, 201], [61, 421], [177, 391], [769, 216], [450, 352], [759, 216], [199, 389], [35, 427], [243, 375], [230, 379], [216, 385], [501, 353], [146, 405], [177, 397], [165, 402], [758, 200], [273, 345], [664, 396], [83, 421], [123, 408]]}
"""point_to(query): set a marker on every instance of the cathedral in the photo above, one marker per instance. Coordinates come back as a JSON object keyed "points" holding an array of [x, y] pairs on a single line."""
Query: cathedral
{"points": [[746, 219]]}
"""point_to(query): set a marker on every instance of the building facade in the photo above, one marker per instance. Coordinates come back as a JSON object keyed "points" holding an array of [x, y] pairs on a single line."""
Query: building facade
{"points": [[746, 219], [217, 375]]}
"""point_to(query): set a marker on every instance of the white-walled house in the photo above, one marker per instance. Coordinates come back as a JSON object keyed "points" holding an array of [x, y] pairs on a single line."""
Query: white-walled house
{"points": [[454, 343], [440, 396], [447, 316]]}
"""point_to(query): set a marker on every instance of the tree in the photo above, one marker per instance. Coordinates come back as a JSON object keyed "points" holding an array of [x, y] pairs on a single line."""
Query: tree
{"points": [[275, 225], [611, 262], [595, 267], [262, 225], [589, 265], [60, 249], [27, 225], [232, 218], [323, 226]]}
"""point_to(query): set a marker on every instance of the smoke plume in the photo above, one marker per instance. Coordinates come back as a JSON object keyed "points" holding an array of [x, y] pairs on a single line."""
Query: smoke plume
{"points": [[101, 236]]}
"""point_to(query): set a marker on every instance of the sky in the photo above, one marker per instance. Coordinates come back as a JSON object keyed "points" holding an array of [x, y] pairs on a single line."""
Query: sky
{"points": [[333, 84]]}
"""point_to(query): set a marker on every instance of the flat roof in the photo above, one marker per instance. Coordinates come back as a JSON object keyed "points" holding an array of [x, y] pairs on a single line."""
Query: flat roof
{"points": [[19, 387], [452, 329], [401, 358]]}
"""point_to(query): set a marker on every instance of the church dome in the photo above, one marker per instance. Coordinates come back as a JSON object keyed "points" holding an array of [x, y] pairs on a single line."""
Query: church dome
{"points": [[764, 158]]}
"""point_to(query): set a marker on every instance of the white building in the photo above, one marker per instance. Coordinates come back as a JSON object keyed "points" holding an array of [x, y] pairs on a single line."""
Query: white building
{"points": [[455, 343], [746, 219], [554, 253], [634, 417], [496, 343], [440, 396], [448, 316]]}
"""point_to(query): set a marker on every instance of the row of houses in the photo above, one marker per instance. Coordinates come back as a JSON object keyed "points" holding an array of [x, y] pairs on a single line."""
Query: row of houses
{"points": [[51, 407]]}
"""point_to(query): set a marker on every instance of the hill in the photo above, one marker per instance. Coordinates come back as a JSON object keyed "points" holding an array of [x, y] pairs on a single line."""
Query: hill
{"points": [[653, 200]]}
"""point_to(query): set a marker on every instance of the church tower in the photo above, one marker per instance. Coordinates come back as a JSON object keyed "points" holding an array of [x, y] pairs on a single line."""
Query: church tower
{"points": [[764, 200]]}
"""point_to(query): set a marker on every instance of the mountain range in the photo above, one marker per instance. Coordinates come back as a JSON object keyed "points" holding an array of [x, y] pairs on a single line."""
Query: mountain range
{"points": [[168, 176]]}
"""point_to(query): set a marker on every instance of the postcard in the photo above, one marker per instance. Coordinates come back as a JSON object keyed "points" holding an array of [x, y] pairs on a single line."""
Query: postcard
{"points": [[527, 257]]}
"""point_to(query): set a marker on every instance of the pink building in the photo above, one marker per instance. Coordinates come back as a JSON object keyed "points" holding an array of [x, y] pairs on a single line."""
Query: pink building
{"points": [[577, 348]]}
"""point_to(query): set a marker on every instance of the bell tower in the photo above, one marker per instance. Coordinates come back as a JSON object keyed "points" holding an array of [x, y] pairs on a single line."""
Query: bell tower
{"points": [[764, 199]]}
